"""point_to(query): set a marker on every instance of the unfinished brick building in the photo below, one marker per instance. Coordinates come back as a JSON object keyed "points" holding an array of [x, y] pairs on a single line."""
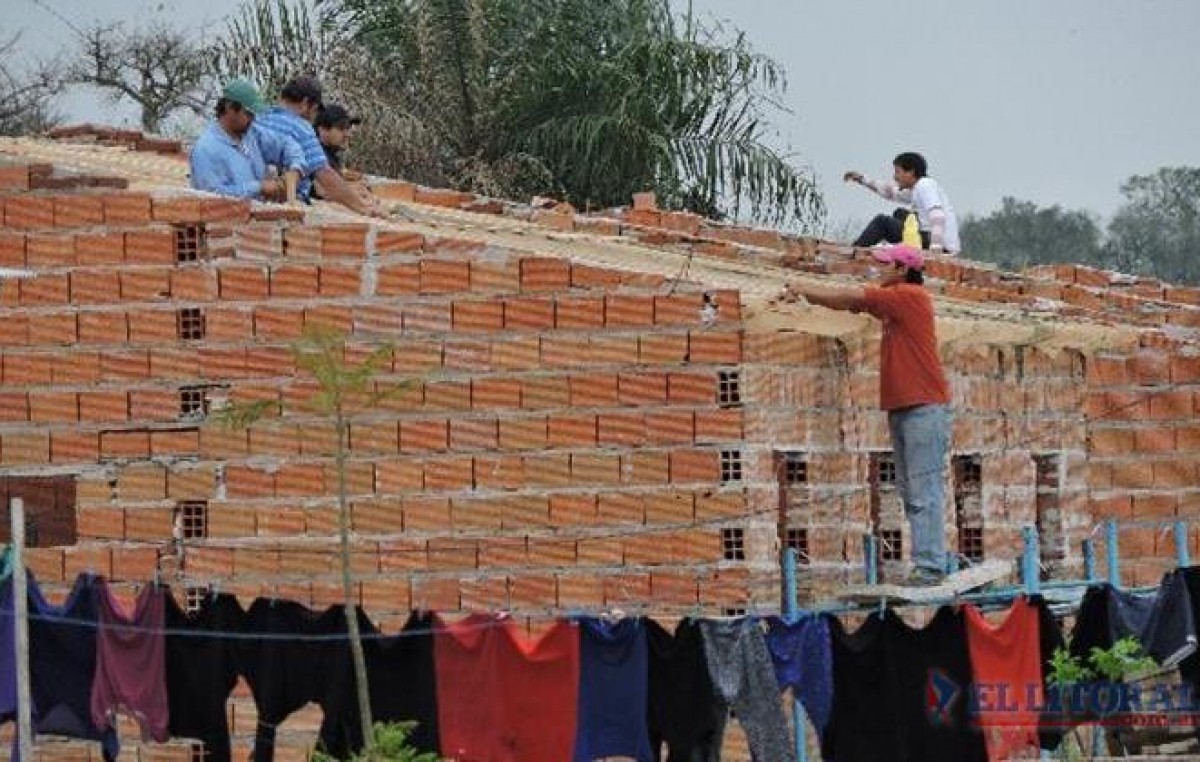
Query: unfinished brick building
{"points": [[597, 411]]}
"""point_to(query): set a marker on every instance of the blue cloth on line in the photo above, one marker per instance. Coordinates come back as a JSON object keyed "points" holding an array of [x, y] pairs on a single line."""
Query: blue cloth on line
{"points": [[803, 661], [613, 691]]}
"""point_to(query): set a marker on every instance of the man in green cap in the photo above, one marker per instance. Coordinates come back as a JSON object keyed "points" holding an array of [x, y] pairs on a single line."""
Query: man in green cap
{"points": [[232, 155]]}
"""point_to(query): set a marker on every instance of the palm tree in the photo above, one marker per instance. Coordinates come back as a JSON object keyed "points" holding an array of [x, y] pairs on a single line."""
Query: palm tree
{"points": [[601, 99]]}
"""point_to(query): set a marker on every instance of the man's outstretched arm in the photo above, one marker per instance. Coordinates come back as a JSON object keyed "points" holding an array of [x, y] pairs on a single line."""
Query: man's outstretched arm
{"points": [[881, 188], [851, 299]]}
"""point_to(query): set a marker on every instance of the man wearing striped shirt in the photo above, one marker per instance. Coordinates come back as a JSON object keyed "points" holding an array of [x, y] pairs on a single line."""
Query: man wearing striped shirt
{"points": [[299, 102], [912, 187]]}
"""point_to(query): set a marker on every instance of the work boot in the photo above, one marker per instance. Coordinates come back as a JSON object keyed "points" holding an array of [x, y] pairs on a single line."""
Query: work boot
{"points": [[922, 577]]}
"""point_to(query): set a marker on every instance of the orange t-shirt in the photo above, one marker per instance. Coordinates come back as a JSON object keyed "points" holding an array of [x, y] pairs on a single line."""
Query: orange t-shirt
{"points": [[910, 371], [1007, 657]]}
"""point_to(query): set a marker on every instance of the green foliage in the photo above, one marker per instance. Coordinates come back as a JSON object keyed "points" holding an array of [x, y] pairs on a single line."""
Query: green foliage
{"points": [[1123, 658], [1020, 233], [1157, 230], [241, 415], [271, 41], [591, 101], [1112, 664], [390, 745], [1155, 233], [1066, 668], [322, 352]]}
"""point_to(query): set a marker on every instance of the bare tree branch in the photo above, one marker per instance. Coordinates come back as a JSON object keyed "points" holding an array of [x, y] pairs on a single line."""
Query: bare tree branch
{"points": [[157, 68], [25, 96]]}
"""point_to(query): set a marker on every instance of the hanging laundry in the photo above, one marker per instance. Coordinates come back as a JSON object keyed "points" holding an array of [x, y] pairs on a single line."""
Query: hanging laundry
{"points": [[402, 680], [285, 673], [864, 720], [1050, 640], [803, 662], [62, 664], [1189, 668], [685, 712], [900, 692], [613, 687], [202, 670], [8, 652], [932, 668], [741, 671], [1007, 661], [131, 667], [502, 697], [1162, 621], [1170, 635]]}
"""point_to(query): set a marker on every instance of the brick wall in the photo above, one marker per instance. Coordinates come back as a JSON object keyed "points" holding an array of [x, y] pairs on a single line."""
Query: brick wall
{"points": [[558, 436]]}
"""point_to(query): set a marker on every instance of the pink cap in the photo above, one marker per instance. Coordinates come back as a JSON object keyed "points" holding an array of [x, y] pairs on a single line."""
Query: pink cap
{"points": [[902, 255]]}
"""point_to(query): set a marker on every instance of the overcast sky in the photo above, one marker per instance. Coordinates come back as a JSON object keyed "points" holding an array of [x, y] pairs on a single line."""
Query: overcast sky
{"points": [[1056, 101]]}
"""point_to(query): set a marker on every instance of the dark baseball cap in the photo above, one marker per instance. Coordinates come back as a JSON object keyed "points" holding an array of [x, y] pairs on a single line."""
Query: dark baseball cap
{"points": [[333, 115]]}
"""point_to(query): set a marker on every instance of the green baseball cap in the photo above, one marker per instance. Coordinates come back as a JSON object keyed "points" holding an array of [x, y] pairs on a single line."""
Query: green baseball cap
{"points": [[242, 91]]}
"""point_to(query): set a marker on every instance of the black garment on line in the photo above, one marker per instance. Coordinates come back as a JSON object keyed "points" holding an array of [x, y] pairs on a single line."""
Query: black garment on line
{"points": [[1189, 668], [202, 671], [1050, 639], [286, 673], [685, 711], [62, 664], [1163, 622], [403, 685], [883, 675]]}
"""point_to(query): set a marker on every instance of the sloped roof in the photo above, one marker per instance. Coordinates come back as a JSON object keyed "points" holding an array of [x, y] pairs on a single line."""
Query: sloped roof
{"points": [[1064, 306]]}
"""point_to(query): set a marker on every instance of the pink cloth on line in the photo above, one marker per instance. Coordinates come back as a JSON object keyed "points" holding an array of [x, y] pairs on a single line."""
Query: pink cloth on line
{"points": [[131, 667]]}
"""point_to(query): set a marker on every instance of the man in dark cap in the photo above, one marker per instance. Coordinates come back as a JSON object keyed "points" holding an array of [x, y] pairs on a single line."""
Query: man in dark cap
{"points": [[299, 103], [334, 126]]}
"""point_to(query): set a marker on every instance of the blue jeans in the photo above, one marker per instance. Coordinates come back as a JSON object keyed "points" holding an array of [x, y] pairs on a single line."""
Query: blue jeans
{"points": [[920, 439]]}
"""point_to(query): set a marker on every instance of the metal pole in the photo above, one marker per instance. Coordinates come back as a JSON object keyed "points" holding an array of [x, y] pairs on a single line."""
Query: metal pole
{"points": [[871, 571], [1089, 559], [1182, 556], [1029, 561], [16, 508], [1113, 551], [791, 609]]}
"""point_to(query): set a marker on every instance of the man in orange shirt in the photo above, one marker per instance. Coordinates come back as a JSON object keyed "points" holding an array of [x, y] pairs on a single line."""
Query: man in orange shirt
{"points": [[913, 391]]}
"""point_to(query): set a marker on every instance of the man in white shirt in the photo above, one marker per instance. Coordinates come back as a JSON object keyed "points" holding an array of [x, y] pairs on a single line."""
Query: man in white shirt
{"points": [[913, 187]]}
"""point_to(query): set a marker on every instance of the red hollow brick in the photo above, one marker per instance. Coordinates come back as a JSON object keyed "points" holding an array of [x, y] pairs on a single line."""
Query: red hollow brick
{"points": [[694, 466], [543, 274], [579, 312], [714, 347], [475, 316], [444, 276], [529, 314], [523, 433], [642, 389], [628, 310]]}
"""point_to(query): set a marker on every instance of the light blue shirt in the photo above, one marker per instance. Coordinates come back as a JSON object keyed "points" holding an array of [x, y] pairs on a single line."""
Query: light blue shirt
{"points": [[284, 121], [222, 164]]}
